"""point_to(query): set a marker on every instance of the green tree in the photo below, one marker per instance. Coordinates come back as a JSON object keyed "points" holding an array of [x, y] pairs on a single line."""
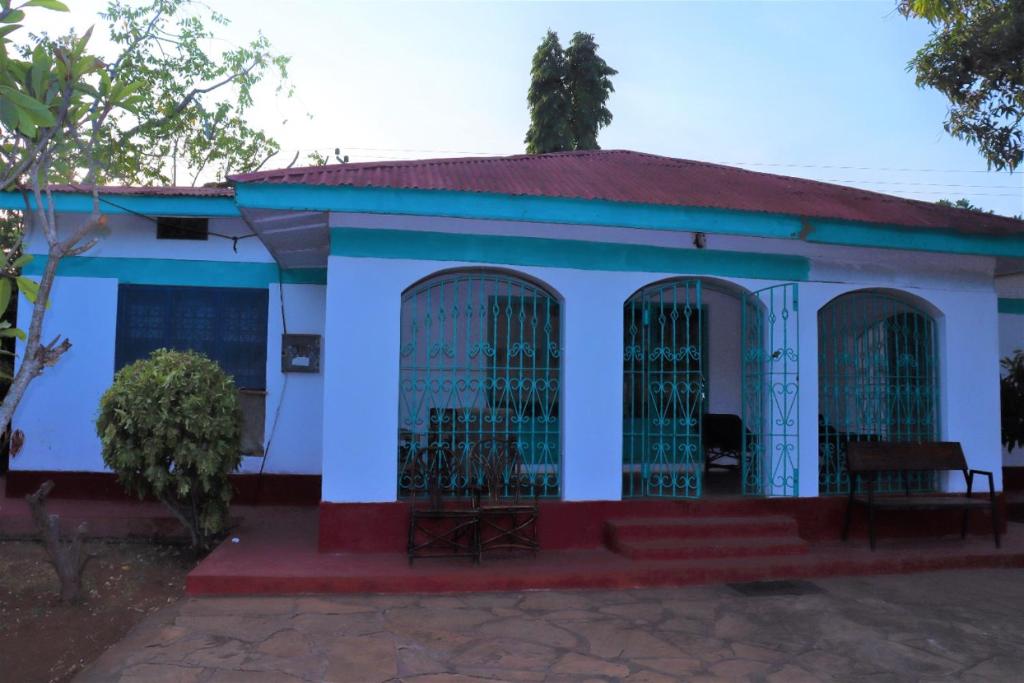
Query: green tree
{"points": [[588, 79], [171, 428], [1011, 395], [975, 57], [549, 99], [962, 203], [568, 95], [68, 114]]}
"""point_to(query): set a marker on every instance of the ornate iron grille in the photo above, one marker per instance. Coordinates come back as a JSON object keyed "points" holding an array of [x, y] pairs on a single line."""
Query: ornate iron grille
{"points": [[877, 380], [770, 392], [663, 391], [480, 360]]}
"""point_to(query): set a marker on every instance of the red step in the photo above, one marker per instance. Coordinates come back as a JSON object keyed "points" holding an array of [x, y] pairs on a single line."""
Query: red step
{"points": [[699, 549], [638, 529]]}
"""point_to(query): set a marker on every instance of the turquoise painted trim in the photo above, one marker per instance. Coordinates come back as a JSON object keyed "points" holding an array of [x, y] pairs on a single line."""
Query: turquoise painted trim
{"points": [[484, 206], [533, 251], [71, 202], [1011, 306], [913, 239], [144, 271]]}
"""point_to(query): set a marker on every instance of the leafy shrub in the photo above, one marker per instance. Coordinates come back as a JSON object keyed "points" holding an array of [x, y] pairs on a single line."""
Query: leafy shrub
{"points": [[171, 429], [1011, 396]]}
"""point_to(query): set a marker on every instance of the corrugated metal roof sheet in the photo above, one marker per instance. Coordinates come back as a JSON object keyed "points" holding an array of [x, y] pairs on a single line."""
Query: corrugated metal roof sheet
{"points": [[168, 191], [635, 177]]}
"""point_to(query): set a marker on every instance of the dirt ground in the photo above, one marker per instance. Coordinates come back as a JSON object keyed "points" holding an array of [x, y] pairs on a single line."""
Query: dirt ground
{"points": [[43, 640]]}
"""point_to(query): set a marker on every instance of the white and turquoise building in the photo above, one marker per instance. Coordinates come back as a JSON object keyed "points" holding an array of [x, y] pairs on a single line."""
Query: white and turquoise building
{"points": [[622, 316]]}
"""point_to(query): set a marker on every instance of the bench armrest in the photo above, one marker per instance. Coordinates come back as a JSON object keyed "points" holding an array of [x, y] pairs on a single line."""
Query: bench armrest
{"points": [[970, 481]]}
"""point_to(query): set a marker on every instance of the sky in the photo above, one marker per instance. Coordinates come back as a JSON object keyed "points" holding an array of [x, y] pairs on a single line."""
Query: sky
{"points": [[812, 89]]}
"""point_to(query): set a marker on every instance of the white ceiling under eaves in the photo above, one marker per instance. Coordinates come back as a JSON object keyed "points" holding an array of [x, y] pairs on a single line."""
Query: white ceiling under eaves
{"points": [[296, 239]]}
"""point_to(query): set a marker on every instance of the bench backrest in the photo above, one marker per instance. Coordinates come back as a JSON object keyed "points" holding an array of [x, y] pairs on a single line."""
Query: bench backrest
{"points": [[887, 456]]}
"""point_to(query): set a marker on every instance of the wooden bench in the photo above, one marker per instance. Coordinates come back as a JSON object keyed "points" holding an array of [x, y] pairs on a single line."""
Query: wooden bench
{"points": [[474, 503], [865, 460]]}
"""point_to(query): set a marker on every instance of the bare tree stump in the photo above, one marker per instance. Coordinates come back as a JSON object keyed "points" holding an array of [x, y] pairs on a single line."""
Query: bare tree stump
{"points": [[66, 556]]}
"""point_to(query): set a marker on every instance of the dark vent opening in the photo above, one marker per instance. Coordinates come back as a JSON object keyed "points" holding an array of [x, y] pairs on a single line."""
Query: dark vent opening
{"points": [[182, 228]]}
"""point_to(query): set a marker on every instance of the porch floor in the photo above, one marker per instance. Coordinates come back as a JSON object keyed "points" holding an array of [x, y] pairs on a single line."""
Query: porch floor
{"points": [[276, 553]]}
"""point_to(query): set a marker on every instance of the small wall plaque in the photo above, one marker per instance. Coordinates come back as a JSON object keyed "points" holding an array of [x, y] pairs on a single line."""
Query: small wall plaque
{"points": [[300, 353]]}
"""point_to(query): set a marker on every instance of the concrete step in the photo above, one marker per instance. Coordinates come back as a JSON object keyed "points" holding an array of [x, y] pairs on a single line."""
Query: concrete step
{"points": [[696, 549], [637, 529]]}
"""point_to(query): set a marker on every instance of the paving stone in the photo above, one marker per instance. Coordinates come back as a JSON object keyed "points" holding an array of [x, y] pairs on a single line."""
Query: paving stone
{"points": [[676, 666], [252, 677], [848, 632], [637, 612], [329, 606], [238, 606], [530, 630], [228, 654], [601, 638], [997, 669], [448, 678], [249, 629], [285, 643], [733, 627], [361, 659], [570, 615], [757, 653], [643, 644], [447, 618], [160, 673], [792, 674], [338, 624], [738, 668], [502, 653], [577, 664], [650, 677], [555, 601], [414, 659]]}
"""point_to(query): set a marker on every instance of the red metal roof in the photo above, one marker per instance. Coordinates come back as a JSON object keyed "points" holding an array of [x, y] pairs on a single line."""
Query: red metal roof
{"points": [[166, 191], [625, 176]]}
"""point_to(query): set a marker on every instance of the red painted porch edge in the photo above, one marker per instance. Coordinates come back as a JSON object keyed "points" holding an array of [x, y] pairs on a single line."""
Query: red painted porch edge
{"points": [[274, 489], [382, 527]]}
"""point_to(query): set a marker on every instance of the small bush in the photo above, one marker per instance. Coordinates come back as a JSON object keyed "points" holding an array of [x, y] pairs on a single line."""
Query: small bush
{"points": [[171, 429]]}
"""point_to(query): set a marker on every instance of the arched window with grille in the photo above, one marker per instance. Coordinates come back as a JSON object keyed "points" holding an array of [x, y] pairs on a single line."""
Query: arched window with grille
{"points": [[481, 359], [877, 381]]}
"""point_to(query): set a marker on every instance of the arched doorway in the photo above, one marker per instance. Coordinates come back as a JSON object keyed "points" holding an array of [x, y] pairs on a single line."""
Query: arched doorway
{"points": [[480, 359], [877, 380], [709, 390]]}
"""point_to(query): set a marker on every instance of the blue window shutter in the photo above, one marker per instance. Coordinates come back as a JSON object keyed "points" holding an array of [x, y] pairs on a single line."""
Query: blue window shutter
{"points": [[227, 324]]}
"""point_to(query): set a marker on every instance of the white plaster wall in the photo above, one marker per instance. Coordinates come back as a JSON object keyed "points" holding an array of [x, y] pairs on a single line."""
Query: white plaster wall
{"points": [[58, 411], [130, 236], [361, 387], [723, 370], [294, 423], [361, 384]]}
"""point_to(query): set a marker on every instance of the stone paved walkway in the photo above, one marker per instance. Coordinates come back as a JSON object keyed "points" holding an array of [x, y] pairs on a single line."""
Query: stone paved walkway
{"points": [[962, 625]]}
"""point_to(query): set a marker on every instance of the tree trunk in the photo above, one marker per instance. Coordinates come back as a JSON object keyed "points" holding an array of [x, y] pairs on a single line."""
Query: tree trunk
{"points": [[66, 557]]}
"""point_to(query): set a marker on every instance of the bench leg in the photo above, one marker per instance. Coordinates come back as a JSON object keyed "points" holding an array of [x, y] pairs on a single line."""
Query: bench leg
{"points": [[871, 526], [995, 523]]}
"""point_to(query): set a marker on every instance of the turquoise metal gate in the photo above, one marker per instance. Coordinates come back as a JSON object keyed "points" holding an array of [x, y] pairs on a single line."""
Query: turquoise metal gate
{"points": [[877, 380], [663, 391], [770, 392], [480, 359]]}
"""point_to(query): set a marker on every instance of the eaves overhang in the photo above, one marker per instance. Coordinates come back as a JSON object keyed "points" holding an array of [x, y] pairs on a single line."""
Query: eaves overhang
{"points": [[489, 206]]}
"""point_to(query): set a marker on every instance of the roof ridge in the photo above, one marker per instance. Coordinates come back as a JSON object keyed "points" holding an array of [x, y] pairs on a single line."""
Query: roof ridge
{"points": [[448, 161]]}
